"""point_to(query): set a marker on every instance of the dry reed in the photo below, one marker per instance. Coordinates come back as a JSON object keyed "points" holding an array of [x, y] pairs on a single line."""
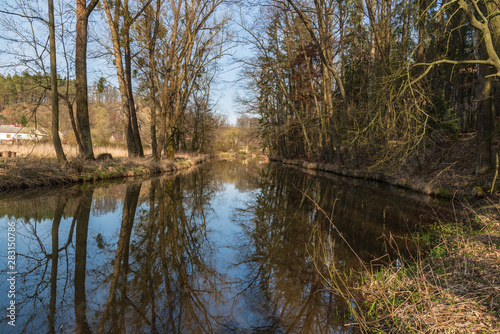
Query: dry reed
{"points": [[454, 288], [46, 150]]}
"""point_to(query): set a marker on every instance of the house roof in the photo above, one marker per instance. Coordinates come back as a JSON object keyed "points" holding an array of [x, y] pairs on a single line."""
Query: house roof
{"points": [[16, 130]]}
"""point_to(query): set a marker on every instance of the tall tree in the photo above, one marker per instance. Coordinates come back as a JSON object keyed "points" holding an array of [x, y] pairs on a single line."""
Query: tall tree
{"points": [[485, 18], [196, 40], [120, 23], [83, 12], [61, 157], [147, 35]]}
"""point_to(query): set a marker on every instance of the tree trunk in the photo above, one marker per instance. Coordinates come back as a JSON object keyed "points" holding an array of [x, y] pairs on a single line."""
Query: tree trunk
{"points": [[61, 158], [421, 30], [82, 104], [484, 121], [82, 228], [73, 125], [163, 128], [169, 144], [136, 136], [121, 39], [154, 99], [61, 203], [152, 31], [129, 208]]}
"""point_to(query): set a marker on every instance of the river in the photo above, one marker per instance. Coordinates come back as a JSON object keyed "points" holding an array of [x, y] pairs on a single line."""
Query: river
{"points": [[228, 247]]}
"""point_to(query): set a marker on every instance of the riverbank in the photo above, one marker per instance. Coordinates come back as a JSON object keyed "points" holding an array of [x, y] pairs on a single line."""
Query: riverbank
{"points": [[447, 182], [452, 283], [454, 288], [36, 172]]}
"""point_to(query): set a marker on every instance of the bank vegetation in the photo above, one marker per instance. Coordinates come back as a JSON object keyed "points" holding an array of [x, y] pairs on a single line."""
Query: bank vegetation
{"points": [[39, 167]]}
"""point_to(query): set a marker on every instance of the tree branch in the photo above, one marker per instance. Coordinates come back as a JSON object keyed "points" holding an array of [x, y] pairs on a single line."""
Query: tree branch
{"points": [[25, 16]]}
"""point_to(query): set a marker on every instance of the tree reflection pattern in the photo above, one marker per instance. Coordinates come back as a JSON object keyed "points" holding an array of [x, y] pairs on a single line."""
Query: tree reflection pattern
{"points": [[159, 274]]}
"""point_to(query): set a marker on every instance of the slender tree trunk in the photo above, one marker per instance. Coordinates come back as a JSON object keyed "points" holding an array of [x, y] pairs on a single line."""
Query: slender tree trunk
{"points": [[169, 85], [82, 228], [122, 76], [132, 112], [421, 29], [152, 31], [169, 144], [484, 119], [61, 203], [61, 158], [73, 126], [120, 36], [151, 245], [129, 208], [154, 100], [163, 128], [82, 104]]}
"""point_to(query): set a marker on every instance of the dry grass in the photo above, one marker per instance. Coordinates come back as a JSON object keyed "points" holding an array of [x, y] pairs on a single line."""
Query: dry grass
{"points": [[455, 289], [29, 172], [46, 150]]}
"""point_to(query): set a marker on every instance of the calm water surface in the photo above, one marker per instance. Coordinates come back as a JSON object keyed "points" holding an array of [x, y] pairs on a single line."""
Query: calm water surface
{"points": [[231, 247]]}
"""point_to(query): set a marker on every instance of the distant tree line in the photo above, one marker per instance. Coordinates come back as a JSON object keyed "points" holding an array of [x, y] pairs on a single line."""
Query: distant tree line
{"points": [[24, 88], [345, 80], [28, 88]]}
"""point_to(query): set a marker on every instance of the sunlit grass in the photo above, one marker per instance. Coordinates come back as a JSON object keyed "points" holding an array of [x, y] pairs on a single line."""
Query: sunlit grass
{"points": [[36, 165], [46, 150], [450, 289]]}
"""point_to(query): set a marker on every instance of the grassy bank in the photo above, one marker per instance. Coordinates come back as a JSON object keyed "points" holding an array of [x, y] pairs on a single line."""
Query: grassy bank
{"points": [[29, 172], [452, 286]]}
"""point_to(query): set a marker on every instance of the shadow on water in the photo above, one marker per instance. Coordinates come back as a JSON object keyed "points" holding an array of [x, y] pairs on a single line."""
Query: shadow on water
{"points": [[232, 247]]}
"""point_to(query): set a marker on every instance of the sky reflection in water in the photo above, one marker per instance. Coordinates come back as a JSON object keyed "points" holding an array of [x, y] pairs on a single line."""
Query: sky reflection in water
{"points": [[232, 247]]}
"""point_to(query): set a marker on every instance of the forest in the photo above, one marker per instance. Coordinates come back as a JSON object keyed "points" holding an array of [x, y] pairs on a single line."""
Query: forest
{"points": [[347, 82], [379, 81]]}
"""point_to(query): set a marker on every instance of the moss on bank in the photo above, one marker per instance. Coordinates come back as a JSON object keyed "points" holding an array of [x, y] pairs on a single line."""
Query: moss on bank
{"points": [[29, 173]]}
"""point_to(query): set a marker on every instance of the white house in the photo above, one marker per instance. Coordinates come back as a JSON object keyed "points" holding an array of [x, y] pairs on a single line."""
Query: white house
{"points": [[14, 133]]}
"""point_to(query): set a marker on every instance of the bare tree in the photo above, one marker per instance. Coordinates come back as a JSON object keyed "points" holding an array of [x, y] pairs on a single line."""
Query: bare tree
{"points": [[120, 23], [83, 12], [26, 14], [197, 39], [61, 157], [484, 17]]}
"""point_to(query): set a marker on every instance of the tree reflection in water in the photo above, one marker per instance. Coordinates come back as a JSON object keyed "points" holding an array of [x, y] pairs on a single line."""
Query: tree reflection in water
{"points": [[157, 257], [291, 246], [284, 284]]}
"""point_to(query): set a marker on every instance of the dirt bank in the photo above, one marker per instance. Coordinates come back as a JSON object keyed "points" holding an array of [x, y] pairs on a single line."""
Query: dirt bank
{"points": [[444, 183]]}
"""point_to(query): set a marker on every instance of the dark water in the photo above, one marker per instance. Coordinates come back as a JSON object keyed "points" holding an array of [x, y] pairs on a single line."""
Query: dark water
{"points": [[232, 247]]}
